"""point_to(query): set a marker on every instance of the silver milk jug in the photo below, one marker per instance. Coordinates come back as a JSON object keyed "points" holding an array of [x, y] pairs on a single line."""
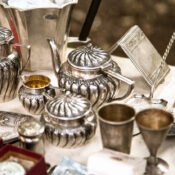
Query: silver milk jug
{"points": [[10, 65], [33, 24], [90, 72]]}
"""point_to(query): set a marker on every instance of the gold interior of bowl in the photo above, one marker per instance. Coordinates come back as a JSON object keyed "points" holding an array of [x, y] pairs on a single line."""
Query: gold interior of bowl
{"points": [[37, 81], [116, 112], [154, 118]]}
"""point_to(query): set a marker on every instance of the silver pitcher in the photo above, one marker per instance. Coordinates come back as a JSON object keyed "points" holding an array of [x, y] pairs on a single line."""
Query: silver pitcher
{"points": [[90, 72], [34, 25], [10, 65]]}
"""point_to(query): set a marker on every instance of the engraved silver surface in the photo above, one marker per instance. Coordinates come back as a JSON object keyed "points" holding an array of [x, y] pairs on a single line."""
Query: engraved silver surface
{"points": [[91, 73], [65, 130], [143, 54], [11, 168], [9, 122]]}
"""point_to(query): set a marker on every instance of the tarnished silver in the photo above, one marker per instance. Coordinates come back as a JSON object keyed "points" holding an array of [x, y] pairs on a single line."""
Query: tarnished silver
{"points": [[69, 120], [31, 92], [143, 54], [11, 168], [154, 123], [10, 65], [9, 122], [34, 25], [116, 126], [30, 133], [89, 71]]}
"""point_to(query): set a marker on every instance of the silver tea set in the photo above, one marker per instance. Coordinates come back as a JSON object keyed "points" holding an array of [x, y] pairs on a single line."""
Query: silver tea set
{"points": [[88, 80]]}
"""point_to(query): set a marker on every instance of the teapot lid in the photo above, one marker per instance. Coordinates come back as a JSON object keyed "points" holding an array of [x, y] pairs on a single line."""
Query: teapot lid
{"points": [[5, 35], [88, 57], [68, 106]]}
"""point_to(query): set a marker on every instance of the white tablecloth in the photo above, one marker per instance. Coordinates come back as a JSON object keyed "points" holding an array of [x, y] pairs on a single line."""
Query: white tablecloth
{"points": [[164, 90]]}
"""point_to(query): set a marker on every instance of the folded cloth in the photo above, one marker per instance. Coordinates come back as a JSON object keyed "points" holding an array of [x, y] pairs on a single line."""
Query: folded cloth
{"points": [[107, 162], [69, 167]]}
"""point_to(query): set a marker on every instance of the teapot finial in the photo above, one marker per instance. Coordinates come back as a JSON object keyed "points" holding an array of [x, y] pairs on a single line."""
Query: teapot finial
{"points": [[56, 61]]}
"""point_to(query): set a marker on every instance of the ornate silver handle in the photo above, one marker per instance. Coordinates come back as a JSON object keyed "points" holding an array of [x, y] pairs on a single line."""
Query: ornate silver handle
{"points": [[28, 47], [125, 80]]}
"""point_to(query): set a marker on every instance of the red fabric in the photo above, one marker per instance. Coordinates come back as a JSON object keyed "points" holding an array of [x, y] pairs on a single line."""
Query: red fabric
{"points": [[15, 34], [38, 169], [1, 142]]}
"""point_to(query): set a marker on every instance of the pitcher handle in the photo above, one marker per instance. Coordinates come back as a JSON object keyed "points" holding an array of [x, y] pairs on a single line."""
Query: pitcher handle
{"points": [[28, 47], [125, 80]]}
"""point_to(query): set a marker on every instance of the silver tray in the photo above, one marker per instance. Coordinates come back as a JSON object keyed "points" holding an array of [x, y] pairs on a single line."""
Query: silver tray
{"points": [[9, 122]]}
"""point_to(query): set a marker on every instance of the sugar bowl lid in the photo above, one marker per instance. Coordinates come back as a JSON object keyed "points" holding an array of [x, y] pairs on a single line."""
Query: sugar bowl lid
{"points": [[68, 106], [88, 57], [5, 35]]}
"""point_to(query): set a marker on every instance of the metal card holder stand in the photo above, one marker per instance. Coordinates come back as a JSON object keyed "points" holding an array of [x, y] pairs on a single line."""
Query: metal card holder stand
{"points": [[143, 54]]}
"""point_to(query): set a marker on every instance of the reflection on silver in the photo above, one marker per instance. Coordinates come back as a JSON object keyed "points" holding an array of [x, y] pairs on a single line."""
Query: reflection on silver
{"points": [[9, 122], [69, 120], [91, 73]]}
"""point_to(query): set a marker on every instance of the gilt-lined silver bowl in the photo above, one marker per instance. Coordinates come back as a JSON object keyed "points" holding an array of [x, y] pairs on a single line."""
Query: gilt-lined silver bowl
{"points": [[69, 120]]}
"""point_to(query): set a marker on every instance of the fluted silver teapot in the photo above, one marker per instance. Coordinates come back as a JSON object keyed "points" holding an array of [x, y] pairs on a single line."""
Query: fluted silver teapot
{"points": [[90, 72], [10, 65]]}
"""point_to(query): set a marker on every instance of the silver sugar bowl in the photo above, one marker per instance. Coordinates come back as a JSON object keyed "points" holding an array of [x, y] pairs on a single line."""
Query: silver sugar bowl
{"points": [[90, 72], [10, 65], [69, 120], [31, 92]]}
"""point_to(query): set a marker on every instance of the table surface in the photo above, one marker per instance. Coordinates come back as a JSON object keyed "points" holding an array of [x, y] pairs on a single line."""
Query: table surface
{"points": [[165, 90]]}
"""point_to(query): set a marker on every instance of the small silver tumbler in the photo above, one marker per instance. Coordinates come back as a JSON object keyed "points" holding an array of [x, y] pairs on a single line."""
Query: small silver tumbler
{"points": [[116, 126]]}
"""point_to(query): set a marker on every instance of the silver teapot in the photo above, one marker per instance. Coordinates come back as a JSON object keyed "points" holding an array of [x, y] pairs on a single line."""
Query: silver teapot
{"points": [[69, 120], [10, 65], [90, 72]]}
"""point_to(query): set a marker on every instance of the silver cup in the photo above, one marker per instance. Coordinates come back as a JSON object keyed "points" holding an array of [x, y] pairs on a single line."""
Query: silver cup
{"points": [[116, 126]]}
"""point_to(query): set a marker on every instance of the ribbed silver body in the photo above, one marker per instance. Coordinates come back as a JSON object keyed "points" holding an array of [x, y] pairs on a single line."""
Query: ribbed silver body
{"points": [[98, 89], [33, 100], [9, 71]]}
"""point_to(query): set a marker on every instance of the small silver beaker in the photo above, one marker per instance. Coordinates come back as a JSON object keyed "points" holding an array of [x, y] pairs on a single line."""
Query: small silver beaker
{"points": [[116, 126], [31, 135]]}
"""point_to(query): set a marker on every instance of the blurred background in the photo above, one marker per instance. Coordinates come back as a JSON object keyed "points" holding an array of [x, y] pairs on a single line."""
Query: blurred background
{"points": [[156, 19]]}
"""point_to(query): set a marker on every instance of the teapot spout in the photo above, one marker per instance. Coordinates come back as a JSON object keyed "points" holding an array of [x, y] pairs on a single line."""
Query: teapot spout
{"points": [[56, 62]]}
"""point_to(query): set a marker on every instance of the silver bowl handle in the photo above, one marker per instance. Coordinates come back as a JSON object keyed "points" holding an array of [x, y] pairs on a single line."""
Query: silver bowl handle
{"points": [[125, 80]]}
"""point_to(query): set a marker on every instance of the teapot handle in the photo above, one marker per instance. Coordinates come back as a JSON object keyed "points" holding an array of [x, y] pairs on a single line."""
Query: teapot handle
{"points": [[28, 47], [124, 79]]}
